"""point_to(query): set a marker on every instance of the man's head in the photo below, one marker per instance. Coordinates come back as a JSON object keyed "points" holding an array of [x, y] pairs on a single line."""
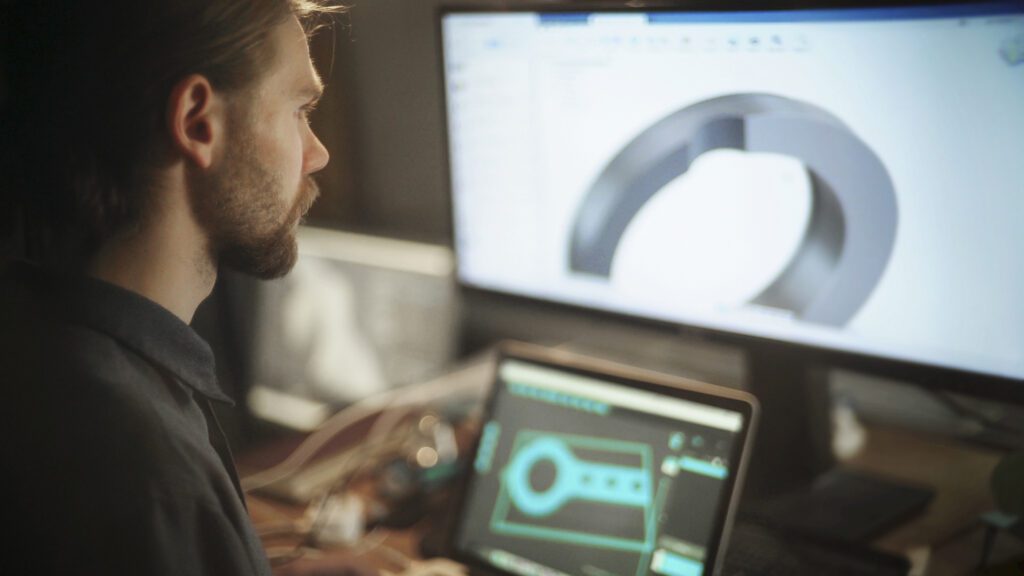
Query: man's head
{"points": [[251, 198], [103, 97]]}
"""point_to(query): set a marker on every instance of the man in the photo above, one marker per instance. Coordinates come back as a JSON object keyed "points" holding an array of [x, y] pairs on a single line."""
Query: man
{"points": [[148, 142]]}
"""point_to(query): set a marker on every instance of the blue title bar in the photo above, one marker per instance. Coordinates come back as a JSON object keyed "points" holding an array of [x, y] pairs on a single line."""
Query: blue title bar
{"points": [[1002, 8], [845, 14], [562, 18]]}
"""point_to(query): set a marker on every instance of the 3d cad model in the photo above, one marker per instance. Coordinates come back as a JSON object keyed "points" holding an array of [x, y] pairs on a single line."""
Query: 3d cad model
{"points": [[854, 213]]}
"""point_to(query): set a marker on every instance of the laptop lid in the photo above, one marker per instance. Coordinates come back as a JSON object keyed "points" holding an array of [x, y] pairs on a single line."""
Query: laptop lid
{"points": [[589, 468]]}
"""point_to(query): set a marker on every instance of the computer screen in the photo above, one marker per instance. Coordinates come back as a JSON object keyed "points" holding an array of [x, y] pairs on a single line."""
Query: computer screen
{"points": [[847, 179], [579, 474]]}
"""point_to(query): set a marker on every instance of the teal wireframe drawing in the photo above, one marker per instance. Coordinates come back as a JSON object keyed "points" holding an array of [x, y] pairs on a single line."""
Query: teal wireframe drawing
{"points": [[576, 479]]}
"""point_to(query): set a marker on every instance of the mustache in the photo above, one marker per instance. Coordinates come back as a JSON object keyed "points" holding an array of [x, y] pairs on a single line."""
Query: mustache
{"points": [[308, 194]]}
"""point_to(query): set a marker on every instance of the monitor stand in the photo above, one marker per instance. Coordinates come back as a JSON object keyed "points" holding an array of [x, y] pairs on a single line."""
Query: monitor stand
{"points": [[794, 480]]}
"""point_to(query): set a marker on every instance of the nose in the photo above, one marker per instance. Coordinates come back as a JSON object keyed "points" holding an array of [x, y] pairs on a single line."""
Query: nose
{"points": [[316, 155]]}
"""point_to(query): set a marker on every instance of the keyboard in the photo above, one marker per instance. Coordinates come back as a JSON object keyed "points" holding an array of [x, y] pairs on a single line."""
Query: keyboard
{"points": [[757, 550]]}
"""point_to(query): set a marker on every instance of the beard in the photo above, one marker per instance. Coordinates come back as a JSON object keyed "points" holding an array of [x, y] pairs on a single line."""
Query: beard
{"points": [[251, 230]]}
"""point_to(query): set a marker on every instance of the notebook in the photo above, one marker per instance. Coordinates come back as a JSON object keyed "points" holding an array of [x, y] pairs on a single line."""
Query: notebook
{"points": [[588, 468]]}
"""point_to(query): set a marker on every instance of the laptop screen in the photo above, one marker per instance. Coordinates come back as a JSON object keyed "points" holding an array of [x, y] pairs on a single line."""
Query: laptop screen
{"points": [[578, 474]]}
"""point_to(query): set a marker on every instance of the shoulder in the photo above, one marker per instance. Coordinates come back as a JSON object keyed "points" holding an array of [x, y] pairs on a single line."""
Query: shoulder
{"points": [[82, 403]]}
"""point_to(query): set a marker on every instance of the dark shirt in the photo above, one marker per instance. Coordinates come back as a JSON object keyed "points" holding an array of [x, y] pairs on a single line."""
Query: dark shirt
{"points": [[113, 462]]}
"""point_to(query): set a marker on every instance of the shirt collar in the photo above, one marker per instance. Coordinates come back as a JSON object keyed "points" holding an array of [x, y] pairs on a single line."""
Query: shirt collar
{"points": [[137, 323]]}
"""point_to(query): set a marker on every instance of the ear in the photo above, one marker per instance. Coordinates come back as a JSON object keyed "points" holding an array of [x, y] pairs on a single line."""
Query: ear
{"points": [[195, 119]]}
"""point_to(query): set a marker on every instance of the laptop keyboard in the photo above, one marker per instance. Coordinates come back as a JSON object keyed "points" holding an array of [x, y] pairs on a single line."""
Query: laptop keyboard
{"points": [[756, 550]]}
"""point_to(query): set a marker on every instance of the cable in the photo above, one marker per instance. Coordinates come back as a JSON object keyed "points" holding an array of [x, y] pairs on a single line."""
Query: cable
{"points": [[376, 445], [310, 446], [394, 555], [269, 529], [447, 384], [280, 555], [371, 541], [379, 442], [391, 406], [315, 512]]}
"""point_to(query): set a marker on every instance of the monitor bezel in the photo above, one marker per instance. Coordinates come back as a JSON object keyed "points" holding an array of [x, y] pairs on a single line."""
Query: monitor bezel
{"points": [[930, 376]]}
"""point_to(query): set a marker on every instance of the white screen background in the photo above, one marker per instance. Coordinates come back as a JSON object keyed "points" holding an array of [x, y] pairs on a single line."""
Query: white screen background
{"points": [[536, 112]]}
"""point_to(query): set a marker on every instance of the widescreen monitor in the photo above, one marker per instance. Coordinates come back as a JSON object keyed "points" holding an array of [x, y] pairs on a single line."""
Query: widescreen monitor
{"points": [[847, 180]]}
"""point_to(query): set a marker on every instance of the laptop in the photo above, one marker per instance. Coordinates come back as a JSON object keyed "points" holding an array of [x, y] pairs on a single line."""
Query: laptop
{"points": [[588, 468]]}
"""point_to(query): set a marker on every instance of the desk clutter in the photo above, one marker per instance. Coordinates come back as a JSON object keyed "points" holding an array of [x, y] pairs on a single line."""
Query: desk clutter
{"points": [[381, 462]]}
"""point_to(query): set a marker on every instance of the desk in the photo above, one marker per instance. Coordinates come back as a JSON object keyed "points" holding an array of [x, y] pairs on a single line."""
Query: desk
{"points": [[959, 473]]}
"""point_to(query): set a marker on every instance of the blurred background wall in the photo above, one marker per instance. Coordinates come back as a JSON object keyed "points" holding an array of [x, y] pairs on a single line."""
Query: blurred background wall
{"points": [[382, 121]]}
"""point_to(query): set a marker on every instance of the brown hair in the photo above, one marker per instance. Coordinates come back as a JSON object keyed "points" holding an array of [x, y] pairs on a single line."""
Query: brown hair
{"points": [[83, 93]]}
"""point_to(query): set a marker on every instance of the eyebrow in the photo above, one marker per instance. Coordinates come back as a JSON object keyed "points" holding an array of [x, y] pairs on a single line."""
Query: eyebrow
{"points": [[313, 91]]}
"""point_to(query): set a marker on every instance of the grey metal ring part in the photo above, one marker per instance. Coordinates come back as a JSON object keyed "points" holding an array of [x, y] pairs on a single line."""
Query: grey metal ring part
{"points": [[852, 226]]}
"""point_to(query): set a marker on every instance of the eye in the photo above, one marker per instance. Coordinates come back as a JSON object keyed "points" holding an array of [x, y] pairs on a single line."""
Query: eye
{"points": [[306, 110]]}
